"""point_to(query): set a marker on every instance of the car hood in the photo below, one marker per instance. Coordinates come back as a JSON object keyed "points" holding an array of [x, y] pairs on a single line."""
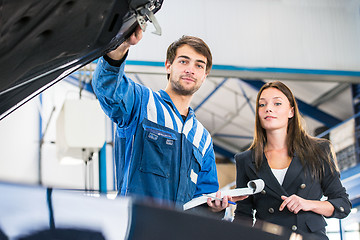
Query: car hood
{"points": [[42, 42]]}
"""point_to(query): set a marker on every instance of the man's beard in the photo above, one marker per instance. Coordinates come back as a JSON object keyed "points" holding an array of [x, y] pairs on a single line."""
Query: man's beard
{"points": [[179, 89]]}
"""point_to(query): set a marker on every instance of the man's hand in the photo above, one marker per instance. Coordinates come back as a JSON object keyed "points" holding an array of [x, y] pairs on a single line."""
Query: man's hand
{"points": [[120, 51], [217, 205]]}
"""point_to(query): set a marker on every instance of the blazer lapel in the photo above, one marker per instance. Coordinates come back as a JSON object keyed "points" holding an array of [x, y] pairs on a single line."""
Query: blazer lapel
{"points": [[270, 180], [293, 171]]}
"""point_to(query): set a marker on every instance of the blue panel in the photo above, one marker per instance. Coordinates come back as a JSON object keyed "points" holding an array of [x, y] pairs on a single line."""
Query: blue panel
{"points": [[351, 172], [232, 136], [223, 152], [75, 81], [102, 169], [355, 204], [258, 69], [41, 141], [355, 89], [288, 70], [351, 181]]}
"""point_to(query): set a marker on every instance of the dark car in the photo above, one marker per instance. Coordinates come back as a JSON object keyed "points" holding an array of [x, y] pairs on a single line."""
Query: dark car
{"points": [[41, 41]]}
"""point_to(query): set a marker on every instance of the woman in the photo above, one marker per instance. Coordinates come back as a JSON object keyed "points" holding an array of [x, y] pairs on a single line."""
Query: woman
{"points": [[297, 169]]}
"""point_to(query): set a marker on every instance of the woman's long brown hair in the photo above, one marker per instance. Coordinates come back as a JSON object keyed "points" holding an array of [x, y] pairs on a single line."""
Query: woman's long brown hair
{"points": [[312, 152]]}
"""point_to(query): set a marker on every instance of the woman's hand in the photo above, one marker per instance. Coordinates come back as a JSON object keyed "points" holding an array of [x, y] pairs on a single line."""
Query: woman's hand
{"points": [[238, 198], [295, 204]]}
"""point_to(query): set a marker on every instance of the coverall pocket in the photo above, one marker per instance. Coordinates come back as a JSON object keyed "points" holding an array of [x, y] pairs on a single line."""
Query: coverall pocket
{"points": [[194, 170], [197, 160], [158, 147]]}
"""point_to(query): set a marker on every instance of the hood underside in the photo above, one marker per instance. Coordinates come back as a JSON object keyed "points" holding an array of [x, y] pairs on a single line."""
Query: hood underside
{"points": [[42, 42]]}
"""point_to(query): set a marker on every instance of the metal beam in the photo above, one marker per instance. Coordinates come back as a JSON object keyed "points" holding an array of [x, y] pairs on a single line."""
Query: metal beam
{"points": [[208, 97], [229, 119], [228, 71], [223, 151], [247, 99], [232, 136], [330, 94], [75, 81]]}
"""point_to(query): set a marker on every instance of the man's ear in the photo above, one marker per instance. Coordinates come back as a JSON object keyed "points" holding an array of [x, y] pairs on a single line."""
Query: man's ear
{"points": [[205, 77], [168, 66]]}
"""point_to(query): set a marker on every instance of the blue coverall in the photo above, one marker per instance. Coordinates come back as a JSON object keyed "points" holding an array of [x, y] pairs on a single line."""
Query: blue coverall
{"points": [[157, 153]]}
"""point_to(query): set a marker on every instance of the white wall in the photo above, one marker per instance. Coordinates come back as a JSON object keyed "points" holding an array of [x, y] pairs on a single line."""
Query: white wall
{"points": [[307, 34], [19, 143]]}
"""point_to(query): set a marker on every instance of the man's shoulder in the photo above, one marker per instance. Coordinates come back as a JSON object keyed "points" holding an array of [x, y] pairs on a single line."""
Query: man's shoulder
{"points": [[199, 124]]}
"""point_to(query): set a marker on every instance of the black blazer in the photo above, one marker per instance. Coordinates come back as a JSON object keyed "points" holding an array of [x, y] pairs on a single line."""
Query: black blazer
{"points": [[267, 202]]}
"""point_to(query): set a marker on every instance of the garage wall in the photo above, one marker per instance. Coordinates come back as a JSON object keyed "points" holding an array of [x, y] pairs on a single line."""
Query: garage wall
{"points": [[19, 145], [21, 159], [322, 34]]}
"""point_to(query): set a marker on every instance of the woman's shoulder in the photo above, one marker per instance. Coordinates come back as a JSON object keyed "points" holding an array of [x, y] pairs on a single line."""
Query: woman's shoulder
{"points": [[323, 144], [241, 156]]}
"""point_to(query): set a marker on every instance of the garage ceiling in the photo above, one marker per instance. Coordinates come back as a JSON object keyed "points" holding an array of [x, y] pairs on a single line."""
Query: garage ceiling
{"points": [[226, 105]]}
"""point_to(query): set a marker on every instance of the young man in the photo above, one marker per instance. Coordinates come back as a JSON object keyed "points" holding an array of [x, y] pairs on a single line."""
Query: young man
{"points": [[162, 151]]}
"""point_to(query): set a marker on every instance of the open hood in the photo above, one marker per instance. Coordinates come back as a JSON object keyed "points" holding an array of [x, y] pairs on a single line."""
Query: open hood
{"points": [[42, 42]]}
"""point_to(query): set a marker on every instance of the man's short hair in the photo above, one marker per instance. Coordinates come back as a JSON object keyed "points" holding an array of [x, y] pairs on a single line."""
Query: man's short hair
{"points": [[196, 43]]}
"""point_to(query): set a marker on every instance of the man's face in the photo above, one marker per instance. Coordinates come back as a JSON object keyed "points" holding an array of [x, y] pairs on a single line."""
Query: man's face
{"points": [[187, 72]]}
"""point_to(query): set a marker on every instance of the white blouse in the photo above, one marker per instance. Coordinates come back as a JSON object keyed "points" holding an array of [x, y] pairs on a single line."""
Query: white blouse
{"points": [[279, 174]]}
